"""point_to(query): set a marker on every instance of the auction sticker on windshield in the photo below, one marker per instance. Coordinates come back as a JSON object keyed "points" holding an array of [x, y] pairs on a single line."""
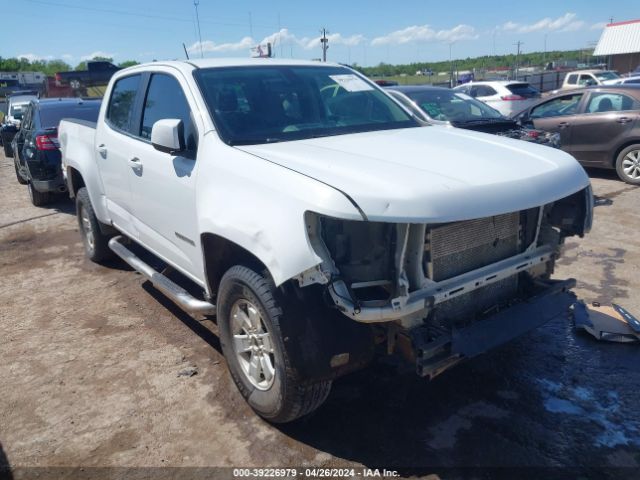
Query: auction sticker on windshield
{"points": [[351, 82]]}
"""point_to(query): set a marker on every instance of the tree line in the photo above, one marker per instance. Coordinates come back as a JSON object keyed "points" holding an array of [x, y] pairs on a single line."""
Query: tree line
{"points": [[50, 67], [480, 63]]}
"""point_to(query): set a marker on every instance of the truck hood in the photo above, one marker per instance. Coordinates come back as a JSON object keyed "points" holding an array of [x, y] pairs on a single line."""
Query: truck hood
{"points": [[432, 174]]}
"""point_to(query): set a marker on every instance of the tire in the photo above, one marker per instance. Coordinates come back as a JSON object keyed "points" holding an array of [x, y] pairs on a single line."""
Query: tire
{"points": [[8, 151], [628, 164], [75, 84], [96, 243], [251, 321], [39, 199], [21, 180]]}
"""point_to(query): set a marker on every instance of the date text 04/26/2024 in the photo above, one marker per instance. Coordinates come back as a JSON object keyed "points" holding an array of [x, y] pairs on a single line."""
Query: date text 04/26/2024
{"points": [[313, 473]]}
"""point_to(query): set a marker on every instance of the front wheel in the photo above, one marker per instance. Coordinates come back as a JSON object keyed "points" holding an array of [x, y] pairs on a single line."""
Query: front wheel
{"points": [[628, 165], [250, 321]]}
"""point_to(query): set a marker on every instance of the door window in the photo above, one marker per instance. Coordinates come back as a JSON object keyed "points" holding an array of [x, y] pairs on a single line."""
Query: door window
{"points": [[572, 80], [165, 99], [609, 102], [587, 80], [485, 91], [565, 105], [122, 103]]}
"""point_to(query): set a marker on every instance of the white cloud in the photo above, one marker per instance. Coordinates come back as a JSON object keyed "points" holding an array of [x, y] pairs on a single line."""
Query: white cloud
{"points": [[32, 57], [97, 53], [281, 37], [424, 33], [565, 23], [598, 26], [66, 56], [210, 46]]}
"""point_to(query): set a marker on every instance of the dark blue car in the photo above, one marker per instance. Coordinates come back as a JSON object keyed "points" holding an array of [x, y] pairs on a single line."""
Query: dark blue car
{"points": [[36, 148]]}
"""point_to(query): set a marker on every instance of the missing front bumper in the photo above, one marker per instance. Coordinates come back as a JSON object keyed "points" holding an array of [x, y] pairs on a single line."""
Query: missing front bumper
{"points": [[437, 355]]}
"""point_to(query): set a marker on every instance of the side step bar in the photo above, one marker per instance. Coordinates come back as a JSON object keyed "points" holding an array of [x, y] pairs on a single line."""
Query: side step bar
{"points": [[179, 295]]}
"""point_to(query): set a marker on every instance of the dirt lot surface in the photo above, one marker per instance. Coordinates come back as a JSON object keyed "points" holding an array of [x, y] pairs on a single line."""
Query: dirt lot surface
{"points": [[90, 357]]}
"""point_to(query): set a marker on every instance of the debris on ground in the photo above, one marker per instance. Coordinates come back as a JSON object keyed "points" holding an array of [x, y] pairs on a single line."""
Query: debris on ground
{"points": [[188, 372], [610, 323]]}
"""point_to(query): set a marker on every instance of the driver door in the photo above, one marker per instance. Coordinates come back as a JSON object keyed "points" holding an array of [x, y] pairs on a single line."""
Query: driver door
{"points": [[558, 115]]}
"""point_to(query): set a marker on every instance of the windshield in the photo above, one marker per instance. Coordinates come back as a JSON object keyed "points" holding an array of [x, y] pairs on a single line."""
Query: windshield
{"points": [[264, 104], [606, 76], [454, 107], [17, 109], [50, 117]]}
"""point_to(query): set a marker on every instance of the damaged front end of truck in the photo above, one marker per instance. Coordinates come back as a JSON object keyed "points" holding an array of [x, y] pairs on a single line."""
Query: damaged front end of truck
{"points": [[442, 292]]}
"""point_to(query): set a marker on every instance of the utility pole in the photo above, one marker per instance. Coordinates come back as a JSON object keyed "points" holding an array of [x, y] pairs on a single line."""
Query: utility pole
{"points": [[544, 55], [451, 84], [325, 44], [518, 43], [195, 4]]}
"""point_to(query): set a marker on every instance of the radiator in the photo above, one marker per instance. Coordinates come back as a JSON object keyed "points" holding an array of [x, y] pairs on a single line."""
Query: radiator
{"points": [[456, 248]]}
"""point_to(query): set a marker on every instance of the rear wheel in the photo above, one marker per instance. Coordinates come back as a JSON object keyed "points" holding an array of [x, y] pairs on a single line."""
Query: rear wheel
{"points": [[628, 164], [39, 199], [251, 320], [96, 243], [21, 180], [8, 151]]}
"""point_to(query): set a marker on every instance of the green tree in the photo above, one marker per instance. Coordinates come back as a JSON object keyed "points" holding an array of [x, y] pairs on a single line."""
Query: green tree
{"points": [[128, 63]]}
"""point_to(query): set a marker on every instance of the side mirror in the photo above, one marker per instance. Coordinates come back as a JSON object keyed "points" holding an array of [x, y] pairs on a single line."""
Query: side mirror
{"points": [[167, 136]]}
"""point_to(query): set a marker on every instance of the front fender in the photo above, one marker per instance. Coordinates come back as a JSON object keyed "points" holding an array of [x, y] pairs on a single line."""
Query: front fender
{"points": [[260, 206]]}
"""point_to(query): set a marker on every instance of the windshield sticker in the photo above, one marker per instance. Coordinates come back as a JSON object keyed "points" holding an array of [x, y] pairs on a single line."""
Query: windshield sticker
{"points": [[351, 82]]}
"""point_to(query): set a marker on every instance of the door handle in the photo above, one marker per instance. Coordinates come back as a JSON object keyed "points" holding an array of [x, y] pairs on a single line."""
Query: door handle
{"points": [[563, 124], [135, 163], [623, 120], [102, 150]]}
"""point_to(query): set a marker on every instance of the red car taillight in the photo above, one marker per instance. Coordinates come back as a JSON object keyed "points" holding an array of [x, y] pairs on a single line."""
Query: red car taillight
{"points": [[509, 98], [46, 142]]}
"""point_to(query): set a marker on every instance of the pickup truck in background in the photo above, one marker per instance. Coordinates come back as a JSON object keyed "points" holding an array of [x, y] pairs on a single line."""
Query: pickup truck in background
{"points": [[589, 78], [97, 73], [317, 221]]}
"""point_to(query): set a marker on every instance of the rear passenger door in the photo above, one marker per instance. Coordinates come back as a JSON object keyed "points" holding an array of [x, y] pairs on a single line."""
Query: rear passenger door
{"points": [[114, 142], [605, 122], [163, 184]]}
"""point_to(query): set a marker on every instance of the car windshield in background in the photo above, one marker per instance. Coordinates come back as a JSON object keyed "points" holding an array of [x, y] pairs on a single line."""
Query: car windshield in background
{"points": [[524, 90], [50, 117], [267, 104], [17, 109], [454, 107], [602, 76]]}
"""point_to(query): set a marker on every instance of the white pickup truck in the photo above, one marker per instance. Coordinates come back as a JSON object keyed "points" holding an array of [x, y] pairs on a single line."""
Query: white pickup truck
{"points": [[319, 221]]}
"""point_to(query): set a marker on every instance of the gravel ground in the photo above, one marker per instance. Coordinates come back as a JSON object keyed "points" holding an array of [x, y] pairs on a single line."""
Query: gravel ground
{"points": [[91, 356]]}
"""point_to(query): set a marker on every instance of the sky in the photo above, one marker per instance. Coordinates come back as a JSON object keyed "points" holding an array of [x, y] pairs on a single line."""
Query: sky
{"points": [[362, 32]]}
